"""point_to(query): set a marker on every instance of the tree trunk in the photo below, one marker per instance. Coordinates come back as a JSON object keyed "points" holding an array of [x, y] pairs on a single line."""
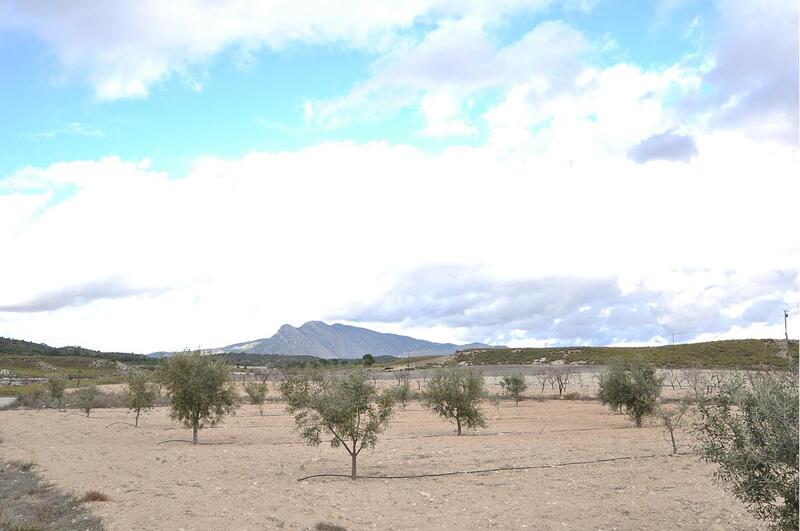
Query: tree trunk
{"points": [[674, 446], [458, 425], [260, 410], [353, 469], [136, 423], [194, 433]]}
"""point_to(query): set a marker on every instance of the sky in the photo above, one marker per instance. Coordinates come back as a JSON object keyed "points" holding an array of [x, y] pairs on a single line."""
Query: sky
{"points": [[526, 173]]}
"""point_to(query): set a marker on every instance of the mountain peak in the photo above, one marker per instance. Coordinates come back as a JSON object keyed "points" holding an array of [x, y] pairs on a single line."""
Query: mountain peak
{"points": [[316, 338]]}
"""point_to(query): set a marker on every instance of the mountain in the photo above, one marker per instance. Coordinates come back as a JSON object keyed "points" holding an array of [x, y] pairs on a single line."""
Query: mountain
{"points": [[322, 340]]}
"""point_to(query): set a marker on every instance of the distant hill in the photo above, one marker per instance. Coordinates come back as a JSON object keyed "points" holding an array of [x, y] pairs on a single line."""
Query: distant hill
{"points": [[19, 347], [322, 340], [735, 353]]}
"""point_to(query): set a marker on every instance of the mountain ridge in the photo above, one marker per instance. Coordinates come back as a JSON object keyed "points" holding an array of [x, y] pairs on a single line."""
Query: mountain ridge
{"points": [[337, 340]]}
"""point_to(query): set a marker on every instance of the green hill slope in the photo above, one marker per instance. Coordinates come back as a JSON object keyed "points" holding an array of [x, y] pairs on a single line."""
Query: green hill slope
{"points": [[738, 353]]}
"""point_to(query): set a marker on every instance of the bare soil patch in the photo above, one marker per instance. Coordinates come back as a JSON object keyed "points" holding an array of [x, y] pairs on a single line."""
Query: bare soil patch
{"points": [[245, 475]]}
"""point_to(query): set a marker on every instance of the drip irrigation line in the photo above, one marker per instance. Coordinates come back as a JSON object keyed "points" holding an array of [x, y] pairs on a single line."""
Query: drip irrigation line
{"points": [[197, 443], [499, 469], [120, 422]]}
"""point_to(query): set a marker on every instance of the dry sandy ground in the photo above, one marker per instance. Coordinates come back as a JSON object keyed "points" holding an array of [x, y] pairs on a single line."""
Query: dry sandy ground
{"points": [[248, 478]]}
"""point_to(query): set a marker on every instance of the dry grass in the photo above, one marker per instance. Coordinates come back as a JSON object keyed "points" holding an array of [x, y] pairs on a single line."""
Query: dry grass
{"points": [[94, 496], [28, 503]]}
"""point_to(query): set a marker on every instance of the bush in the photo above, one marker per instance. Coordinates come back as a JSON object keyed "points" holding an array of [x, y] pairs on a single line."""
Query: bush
{"points": [[455, 395], [86, 397], [199, 387], [56, 388], [350, 410], [750, 430], [257, 392], [514, 385], [632, 385]]}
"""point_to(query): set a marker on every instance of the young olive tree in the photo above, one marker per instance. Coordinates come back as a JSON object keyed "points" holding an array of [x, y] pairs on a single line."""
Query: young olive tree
{"points": [[672, 417], [56, 387], [86, 398], [402, 393], [455, 394], [200, 389], [140, 394], [514, 385], [349, 410], [633, 385], [750, 431], [257, 392]]}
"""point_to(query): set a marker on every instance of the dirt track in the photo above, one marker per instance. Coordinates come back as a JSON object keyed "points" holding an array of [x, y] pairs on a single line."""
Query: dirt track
{"points": [[247, 479]]}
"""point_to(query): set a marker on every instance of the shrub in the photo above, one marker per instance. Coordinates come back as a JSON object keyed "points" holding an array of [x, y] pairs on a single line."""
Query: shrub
{"points": [[350, 410], [514, 385], [199, 387], [750, 430], [455, 395], [86, 397], [367, 360], [56, 388], [633, 385], [257, 392], [140, 394]]}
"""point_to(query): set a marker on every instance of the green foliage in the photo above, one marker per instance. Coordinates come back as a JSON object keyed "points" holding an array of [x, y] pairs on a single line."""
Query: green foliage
{"points": [[86, 397], [750, 430], [739, 353], [632, 385], [140, 393], [199, 388], [514, 385], [455, 394], [402, 393], [368, 360], [56, 387], [349, 410], [257, 392]]}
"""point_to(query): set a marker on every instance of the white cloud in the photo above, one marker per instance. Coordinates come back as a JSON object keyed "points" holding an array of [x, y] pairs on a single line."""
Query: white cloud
{"points": [[459, 58], [240, 246], [124, 48], [444, 117]]}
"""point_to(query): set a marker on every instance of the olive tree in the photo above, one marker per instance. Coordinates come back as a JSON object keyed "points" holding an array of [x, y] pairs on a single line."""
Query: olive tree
{"points": [[633, 385], [514, 385], [257, 392], [199, 387], [671, 418], [348, 410], [86, 398], [750, 431], [140, 394], [56, 387], [455, 394]]}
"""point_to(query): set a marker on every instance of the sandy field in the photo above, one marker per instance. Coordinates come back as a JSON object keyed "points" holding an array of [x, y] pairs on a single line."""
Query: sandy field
{"points": [[245, 476]]}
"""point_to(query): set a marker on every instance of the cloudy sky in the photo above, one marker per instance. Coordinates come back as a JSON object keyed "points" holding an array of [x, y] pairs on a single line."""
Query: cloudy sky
{"points": [[190, 173]]}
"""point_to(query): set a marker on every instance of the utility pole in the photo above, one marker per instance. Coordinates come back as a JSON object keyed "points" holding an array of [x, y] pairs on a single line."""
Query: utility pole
{"points": [[785, 323]]}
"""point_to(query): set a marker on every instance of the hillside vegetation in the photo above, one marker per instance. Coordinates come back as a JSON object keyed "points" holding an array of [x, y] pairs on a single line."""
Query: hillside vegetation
{"points": [[739, 353], [24, 366]]}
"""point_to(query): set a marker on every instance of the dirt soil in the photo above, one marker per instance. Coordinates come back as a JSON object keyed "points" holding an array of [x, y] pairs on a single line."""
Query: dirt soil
{"points": [[245, 475]]}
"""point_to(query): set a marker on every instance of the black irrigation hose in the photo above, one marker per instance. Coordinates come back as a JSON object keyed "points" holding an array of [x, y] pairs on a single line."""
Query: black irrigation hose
{"points": [[197, 443], [120, 422], [499, 469]]}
